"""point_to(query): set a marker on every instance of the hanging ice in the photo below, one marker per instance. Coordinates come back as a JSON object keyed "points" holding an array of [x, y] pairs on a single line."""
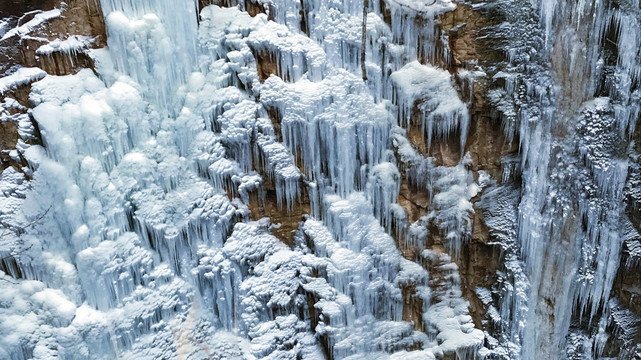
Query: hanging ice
{"points": [[133, 204], [426, 92]]}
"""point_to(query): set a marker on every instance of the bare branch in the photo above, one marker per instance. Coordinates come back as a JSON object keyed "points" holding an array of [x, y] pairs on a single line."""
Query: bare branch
{"points": [[18, 253], [364, 39], [22, 229], [9, 281]]}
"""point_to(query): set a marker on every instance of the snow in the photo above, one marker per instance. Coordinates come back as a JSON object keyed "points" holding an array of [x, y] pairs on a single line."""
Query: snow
{"points": [[431, 92], [33, 314], [22, 76], [358, 236], [37, 21], [452, 212], [281, 167], [433, 8], [383, 187], [338, 310], [72, 45], [572, 165], [143, 34], [335, 114], [448, 314], [295, 54], [148, 170]]}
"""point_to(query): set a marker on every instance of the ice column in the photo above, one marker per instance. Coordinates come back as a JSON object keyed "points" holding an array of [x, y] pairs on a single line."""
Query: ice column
{"points": [[154, 42]]}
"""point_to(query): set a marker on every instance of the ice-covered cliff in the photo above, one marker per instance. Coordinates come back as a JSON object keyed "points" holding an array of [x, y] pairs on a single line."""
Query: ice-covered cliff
{"points": [[281, 179]]}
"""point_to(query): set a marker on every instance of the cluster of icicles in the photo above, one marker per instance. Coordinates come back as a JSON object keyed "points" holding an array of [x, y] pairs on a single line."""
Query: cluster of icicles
{"points": [[140, 241], [572, 264], [145, 246]]}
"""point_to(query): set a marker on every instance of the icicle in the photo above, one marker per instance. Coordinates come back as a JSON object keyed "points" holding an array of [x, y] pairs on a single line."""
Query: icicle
{"points": [[63, 56], [448, 318], [295, 54], [350, 300], [452, 209], [331, 125], [22, 76], [280, 166], [413, 25], [383, 187], [627, 78], [154, 43], [429, 92]]}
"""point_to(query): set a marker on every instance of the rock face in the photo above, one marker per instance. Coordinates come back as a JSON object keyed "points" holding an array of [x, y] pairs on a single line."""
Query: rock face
{"points": [[232, 180], [51, 35], [41, 23]]}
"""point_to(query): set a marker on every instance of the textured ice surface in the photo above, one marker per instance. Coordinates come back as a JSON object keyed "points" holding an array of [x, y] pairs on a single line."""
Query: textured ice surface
{"points": [[572, 161], [334, 125], [139, 240]]}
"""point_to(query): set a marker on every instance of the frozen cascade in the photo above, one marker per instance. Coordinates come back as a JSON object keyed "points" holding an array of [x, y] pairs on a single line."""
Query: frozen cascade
{"points": [[500, 209], [335, 123], [413, 25], [143, 244], [135, 227], [383, 187], [142, 35]]}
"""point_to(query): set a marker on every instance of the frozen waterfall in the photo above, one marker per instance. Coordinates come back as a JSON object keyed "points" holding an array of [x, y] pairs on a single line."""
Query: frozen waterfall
{"points": [[242, 180]]}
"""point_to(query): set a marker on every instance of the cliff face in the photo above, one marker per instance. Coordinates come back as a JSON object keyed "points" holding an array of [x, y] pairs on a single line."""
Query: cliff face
{"points": [[320, 179]]}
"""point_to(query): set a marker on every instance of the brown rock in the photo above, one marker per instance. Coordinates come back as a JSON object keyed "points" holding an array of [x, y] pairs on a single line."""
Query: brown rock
{"points": [[286, 223], [79, 17]]}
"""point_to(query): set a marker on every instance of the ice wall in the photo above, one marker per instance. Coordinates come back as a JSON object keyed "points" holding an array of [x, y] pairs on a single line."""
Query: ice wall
{"points": [[143, 35], [573, 159], [137, 237], [130, 233]]}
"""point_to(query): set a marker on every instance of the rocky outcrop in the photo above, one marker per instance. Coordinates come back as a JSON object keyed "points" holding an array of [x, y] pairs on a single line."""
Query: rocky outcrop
{"points": [[56, 42], [76, 18]]}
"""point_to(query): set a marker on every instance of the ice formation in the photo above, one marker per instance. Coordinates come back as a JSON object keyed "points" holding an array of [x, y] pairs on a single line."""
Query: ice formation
{"points": [[72, 45], [429, 90], [571, 221], [131, 228], [142, 244]]}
